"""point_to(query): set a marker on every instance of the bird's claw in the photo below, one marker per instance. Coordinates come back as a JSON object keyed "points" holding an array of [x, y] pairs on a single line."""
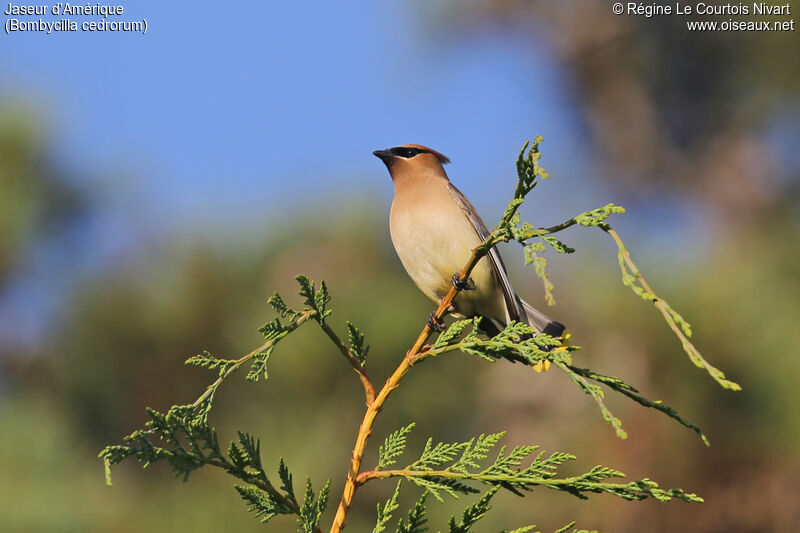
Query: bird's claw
{"points": [[436, 324], [463, 284]]}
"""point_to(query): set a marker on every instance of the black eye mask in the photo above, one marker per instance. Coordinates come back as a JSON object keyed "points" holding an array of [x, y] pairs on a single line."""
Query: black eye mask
{"points": [[406, 152]]}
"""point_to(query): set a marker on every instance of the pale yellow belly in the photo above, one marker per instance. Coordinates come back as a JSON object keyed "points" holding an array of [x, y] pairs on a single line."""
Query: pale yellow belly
{"points": [[434, 242]]}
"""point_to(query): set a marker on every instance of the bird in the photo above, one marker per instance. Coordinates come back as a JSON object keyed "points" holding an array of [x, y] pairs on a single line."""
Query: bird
{"points": [[434, 228]]}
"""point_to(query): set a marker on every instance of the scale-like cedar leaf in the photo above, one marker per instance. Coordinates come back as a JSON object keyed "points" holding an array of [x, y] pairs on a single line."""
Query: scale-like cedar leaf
{"points": [[436, 484], [316, 299], [540, 265], [393, 447], [286, 481], [528, 168], [631, 392], [473, 513], [596, 217], [451, 333], [523, 529], [277, 303], [237, 456], [311, 510], [385, 513], [546, 467], [356, 341], [258, 367], [273, 329], [596, 392], [478, 452], [416, 518], [207, 360], [508, 464], [252, 449], [440, 454], [565, 528], [307, 290], [556, 245], [321, 301], [260, 503]]}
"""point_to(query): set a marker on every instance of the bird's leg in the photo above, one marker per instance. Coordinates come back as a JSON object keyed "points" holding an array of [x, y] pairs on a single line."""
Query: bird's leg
{"points": [[463, 284], [434, 323]]}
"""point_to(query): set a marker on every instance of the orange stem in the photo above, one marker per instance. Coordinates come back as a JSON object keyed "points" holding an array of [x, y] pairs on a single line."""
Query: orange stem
{"points": [[413, 356]]}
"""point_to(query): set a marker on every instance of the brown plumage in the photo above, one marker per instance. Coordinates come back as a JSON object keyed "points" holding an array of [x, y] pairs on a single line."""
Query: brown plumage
{"points": [[434, 227]]}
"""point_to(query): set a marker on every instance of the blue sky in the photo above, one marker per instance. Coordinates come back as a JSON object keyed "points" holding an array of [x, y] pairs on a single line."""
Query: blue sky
{"points": [[226, 109]]}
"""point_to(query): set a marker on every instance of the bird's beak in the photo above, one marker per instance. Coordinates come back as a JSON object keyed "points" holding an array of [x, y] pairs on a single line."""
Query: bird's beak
{"points": [[383, 155]]}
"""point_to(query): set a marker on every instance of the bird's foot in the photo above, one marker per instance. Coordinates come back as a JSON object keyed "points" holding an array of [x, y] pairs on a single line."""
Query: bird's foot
{"points": [[436, 324], [463, 284]]}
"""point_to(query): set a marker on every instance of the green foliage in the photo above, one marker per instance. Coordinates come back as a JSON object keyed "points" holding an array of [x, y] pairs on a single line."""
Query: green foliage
{"points": [[393, 447], [477, 450], [184, 431], [246, 455], [280, 307], [385, 513], [263, 505], [556, 245], [627, 390], [597, 217], [540, 265], [566, 528], [511, 228], [433, 456], [450, 467], [259, 366], [633, 279], [416, 518], [184, 438], [356, 340], [311, 510], [210, 362], [316, 299], [517, 343], [454, 331], [528, 169], [596, 392], [473, 513], [286, 481]]}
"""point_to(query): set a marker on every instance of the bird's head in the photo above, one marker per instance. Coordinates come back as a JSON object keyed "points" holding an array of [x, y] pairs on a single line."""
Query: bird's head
{"points": [[411, 158]]}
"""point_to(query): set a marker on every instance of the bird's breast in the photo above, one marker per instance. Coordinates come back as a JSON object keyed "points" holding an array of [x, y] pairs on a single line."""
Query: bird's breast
{"points": [[433, 239]]}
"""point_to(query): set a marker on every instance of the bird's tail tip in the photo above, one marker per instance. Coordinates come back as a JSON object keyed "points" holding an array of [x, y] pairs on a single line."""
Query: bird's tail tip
{"points": [[540, 321], [554, 328]]}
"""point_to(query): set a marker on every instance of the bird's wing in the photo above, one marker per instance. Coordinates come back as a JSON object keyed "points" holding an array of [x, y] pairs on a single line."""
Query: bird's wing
{"points": [[494, 256]]}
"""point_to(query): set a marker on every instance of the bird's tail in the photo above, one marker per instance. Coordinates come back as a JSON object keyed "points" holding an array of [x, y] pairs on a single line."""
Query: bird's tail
{"points": [[535, 319], [543, 324], [538, 320]]}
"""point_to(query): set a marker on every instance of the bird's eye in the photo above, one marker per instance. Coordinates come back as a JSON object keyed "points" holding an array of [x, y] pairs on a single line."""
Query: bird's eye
{"points": [[405, 152]]}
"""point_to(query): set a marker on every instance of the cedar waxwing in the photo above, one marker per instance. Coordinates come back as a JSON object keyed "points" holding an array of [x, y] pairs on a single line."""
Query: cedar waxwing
{"points": [[434, 229]]}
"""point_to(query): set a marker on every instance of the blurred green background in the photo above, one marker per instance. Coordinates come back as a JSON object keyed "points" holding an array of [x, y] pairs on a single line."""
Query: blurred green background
{"points": [[149, 208]]}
